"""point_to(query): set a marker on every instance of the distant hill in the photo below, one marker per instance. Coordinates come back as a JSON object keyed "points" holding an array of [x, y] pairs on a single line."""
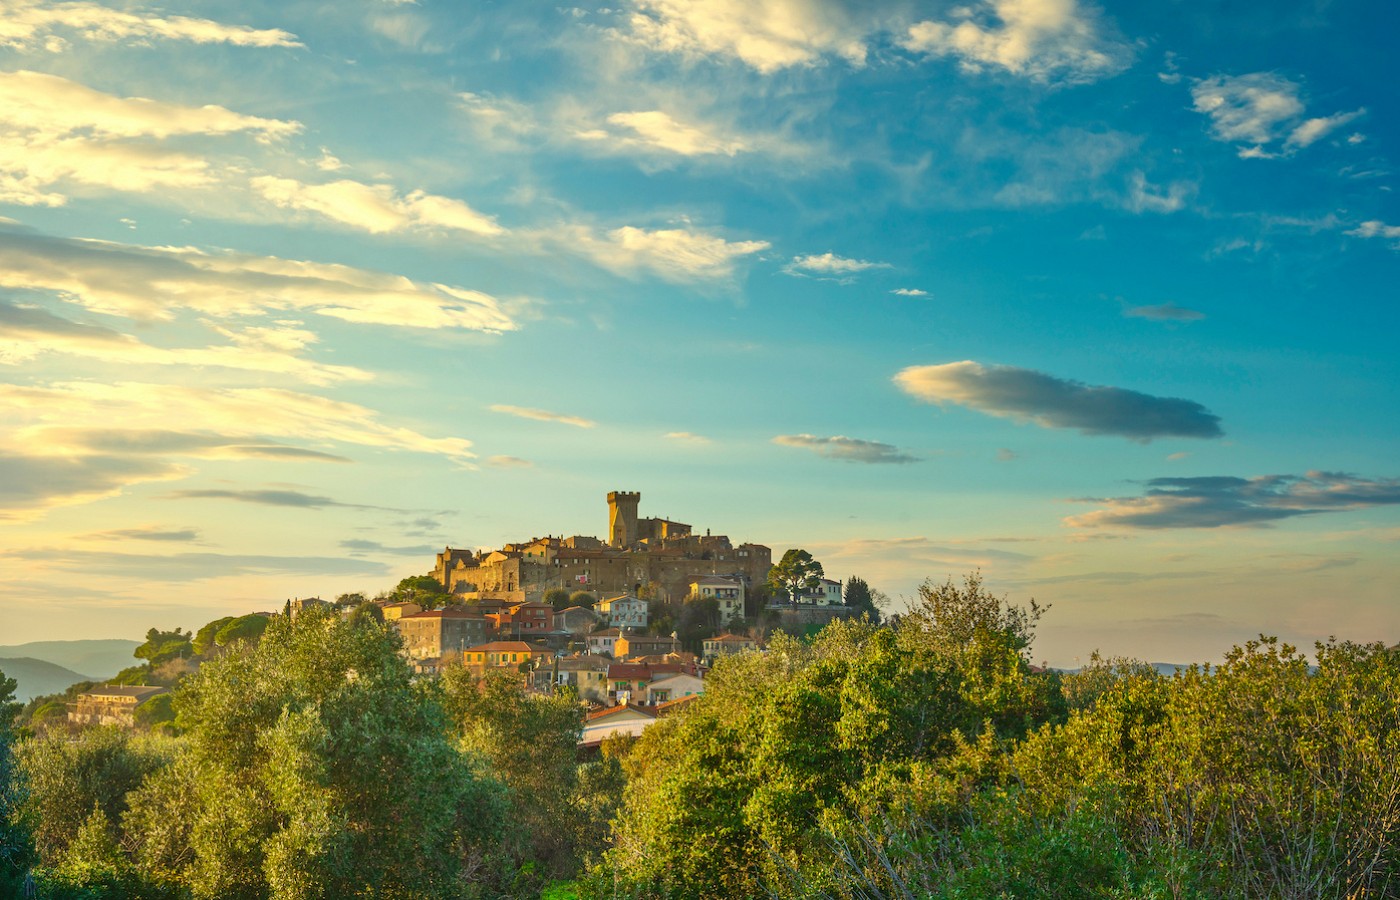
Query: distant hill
{"points": [[101, 658], [36, 677]]}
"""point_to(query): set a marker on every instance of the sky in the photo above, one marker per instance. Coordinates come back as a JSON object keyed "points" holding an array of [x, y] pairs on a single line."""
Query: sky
{"points": [[1097, 300]]}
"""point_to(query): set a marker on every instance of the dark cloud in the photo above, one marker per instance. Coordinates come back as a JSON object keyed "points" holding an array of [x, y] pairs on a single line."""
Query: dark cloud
{"points": [[192, 566], [143, 534], [1166, 312], [1057, 403], [30, 320], [1221, 501], [363, 548], [846, 448], [37, 482], [157, 441], [265, 497]]}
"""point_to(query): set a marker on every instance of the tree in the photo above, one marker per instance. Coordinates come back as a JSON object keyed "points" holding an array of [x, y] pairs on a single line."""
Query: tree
{"points": [[796, 573], [859, 596], [583, 598], [14, 846], [204, 638], [163, 646], [244, 628], [425, 590], [557, 597]]}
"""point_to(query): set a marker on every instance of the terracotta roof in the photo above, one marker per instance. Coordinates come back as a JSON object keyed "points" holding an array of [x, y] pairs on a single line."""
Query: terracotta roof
{"points": [[614, 710], [506, 647], [607, 632], [671, 707]]}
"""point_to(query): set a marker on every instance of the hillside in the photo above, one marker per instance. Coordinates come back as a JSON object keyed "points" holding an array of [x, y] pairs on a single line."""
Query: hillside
{"points": [[101, 658], [36, 677]]}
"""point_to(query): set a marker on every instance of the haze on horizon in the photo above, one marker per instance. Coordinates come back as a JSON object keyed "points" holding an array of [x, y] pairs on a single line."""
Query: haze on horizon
{"points": [[1099, 299]]}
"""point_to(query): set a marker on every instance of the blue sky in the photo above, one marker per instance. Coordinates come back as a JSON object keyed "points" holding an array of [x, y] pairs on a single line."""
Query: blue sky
{"points": [[1097, 299]]}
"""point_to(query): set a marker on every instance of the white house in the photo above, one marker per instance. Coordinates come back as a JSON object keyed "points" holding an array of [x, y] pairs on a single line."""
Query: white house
{"points": [[625, 612], [826, 593], [727, 591], [674, 687]]}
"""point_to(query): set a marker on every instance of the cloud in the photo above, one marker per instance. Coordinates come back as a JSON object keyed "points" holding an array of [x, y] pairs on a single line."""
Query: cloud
{"points": [[674, 254], [766, 35], [143, 533], [1258, 110], [156, 442], [295, 499], [1165, 312], [1377, 229], [190, 566], [656, 130], [846, 448], [1050, 402], [909, 292], [1044, 40], [152, 282], [687, 437], [53, 130], [1224, 501], [1145, 197], [829, 264], [508, 462], [28, 25], [375, 208], [30, 483], [29, 332], [59, 412], [364, 548], [541, 415]]}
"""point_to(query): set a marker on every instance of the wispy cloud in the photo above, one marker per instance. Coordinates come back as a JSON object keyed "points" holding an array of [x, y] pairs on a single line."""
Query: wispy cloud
{"points": [[910, 292], [1164, 312], [542, 415], [143, 533], [26, 25], [1221, 501], [1377, 229], [375, 208], [179, 567], [268, 497], [767, 36], [31, 483], [1052, 402], [1044, 40], [687, 437], [1258, 110], [830, 265], [674, 254], [657, 130], [152, 282], [508, 462], [374, 548], [847, 449]]}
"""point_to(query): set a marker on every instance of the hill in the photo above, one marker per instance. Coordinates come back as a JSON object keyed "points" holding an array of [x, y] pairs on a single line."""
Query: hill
{"points": [[100, 658], [36, 677]]}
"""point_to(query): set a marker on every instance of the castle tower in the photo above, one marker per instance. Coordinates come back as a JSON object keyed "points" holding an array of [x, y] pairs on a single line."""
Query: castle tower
{"points": [[622, 517]]}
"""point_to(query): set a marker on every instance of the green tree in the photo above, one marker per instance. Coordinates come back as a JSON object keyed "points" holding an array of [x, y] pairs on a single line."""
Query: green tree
{"points": [[163, 646], [204, 638], [14, 842], [583, 598], [425, 590], [557, 597], [243, 628], [796, 573], [860, 597]]}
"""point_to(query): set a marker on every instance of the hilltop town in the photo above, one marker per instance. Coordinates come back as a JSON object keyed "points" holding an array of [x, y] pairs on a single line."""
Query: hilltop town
{"points": [[631, 623]]}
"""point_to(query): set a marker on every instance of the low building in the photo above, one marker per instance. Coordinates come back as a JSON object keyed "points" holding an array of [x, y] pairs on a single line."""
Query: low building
{"points": [[625, 612], [630, 645], [523, 620], [604, 641], [725, 644], [111, 704], [673, 687], [577, 620], [605, 723], [395, 611], [441, 632], [727, 591], [587, 674], [826, 593], [506, 655]]}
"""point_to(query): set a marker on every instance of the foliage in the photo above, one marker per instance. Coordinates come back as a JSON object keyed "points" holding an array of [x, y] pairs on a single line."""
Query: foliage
{"points": [[156, 712], [583, 598], [696, 621], [795, 573], [14, 839], [425, 590], [204, 638], [557, 597], [162, 646], [243, 628], [860, 597]]}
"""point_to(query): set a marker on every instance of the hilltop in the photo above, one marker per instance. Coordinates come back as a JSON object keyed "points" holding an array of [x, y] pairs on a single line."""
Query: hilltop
{"points": [[37, 677], [102, 658]]}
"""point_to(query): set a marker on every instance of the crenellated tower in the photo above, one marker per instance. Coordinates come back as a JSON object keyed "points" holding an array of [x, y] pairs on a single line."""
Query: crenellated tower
{"points": [[622, 518]]}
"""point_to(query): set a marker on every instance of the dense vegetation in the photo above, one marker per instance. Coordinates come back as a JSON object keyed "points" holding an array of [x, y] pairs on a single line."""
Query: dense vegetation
{"points": [[923, 758]]}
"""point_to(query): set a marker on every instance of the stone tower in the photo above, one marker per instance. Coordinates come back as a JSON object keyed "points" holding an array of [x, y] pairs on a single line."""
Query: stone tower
{"points": [[622, 517]]}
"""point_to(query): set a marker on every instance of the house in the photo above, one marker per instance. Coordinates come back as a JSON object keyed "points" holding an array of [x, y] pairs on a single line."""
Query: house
{"points": [[395, 611], [674, 687], [523, 619], [630, 645], [625, 612], [586, 673], [726, 644], [826, 593], [438, 632], [625, 719], [507, 655], [726, 590], [111, 704], [604, 641], [575, 620], [628, 681]]}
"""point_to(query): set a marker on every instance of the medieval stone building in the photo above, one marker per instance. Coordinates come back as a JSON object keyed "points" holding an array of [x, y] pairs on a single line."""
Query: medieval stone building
{"points": [[655, 557]]}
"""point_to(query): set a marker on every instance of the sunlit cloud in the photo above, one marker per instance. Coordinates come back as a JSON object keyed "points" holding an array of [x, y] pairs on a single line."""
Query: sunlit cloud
{"points": [[847, 449], [153, 282], [1051, 402], [673, 254], [144, 533], [542, 415], [909, 292], [26, 25], [687, 437], [376, 208], [657, 130], [1045, 40], [830, 265], [1378, 229], [508, 462], [266, 497], [190, 567], [1258, 110], [1223, 501], [767, 35], [32, 483]]}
